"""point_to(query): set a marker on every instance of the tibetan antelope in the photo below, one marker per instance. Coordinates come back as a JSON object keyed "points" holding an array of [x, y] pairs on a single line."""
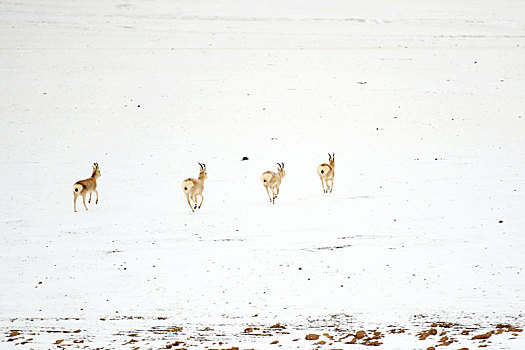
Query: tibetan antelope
{"points": [[193, 187], [273, 180], [326, 173], [83, 187]]}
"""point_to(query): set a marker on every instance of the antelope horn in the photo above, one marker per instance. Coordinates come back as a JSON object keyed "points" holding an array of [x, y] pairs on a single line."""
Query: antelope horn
{"points": [[96, 165], [282, 166], [279, 165], [203, 166], [199, 164]]}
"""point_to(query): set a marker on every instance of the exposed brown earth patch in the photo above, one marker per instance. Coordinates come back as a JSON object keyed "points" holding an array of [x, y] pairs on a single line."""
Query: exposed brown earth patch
{"points": [[165, 336]]}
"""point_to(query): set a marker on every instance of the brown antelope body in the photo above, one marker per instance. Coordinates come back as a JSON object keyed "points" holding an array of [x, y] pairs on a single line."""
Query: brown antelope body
{"points": [[272, 181], [193, 187], [83, 187], [326, 173]]}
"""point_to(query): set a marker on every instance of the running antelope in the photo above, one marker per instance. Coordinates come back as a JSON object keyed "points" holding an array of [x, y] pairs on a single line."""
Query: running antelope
{"points": [[326, 173], [273, 180], [83, 187], [193, 187]]}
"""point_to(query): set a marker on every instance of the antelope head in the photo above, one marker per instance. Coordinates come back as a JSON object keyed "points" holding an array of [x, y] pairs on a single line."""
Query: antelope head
{"points": [[203, 175], [331, 159], [96, 171], [280, 169]]}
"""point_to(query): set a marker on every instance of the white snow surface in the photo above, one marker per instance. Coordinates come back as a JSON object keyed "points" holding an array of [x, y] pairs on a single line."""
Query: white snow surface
{"points": [[423, 104]]}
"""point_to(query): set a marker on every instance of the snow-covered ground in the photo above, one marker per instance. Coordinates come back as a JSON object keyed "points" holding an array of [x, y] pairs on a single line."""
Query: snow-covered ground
{"points": [[423, 104]]}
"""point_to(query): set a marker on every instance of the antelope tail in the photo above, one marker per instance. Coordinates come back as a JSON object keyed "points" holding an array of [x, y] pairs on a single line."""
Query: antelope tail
{"points": [[186, 186], [77, 188], [265, 178]]}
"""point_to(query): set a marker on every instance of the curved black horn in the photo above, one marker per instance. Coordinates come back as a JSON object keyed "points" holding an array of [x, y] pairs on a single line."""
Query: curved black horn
{"points": [[282, 166], [279, 165], [96, 165], [199, 164], [203, 166]]}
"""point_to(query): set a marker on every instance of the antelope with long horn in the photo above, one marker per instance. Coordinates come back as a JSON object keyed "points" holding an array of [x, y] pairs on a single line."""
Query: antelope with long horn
{"points": [[83, 187], [193, 187], [326, 173], [272, 181]]}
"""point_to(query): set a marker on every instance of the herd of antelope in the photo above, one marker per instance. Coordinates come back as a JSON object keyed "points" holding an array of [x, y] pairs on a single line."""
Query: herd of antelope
{"points": [[194, 187]]}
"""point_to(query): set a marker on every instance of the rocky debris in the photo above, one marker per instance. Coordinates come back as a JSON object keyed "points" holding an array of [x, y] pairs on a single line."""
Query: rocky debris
{"points": [[353, 341], [345, 337], [424, 334], [509, 328], [445, 341], [328, 336], [26, 341], [397, 331], [443, 324], [372, 340], [360, 334], [177, 344], [483, 336], [373, 343], [441, 334], [312, 337]]}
